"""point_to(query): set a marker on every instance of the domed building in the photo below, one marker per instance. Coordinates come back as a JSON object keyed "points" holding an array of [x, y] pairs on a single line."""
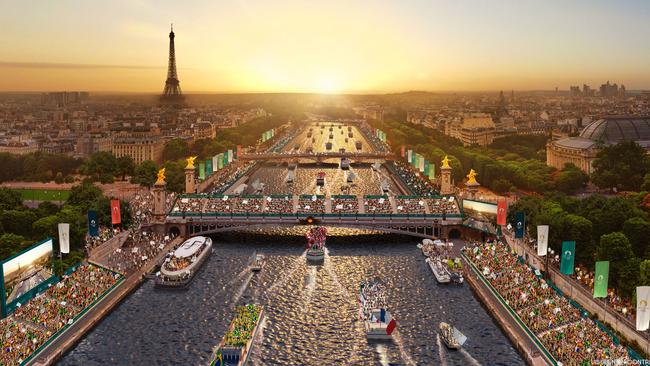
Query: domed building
{"points": [[582, 150]]}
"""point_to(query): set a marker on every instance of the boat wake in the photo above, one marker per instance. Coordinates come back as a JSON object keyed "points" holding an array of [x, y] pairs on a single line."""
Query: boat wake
{"points": [[402, 352], [241, 289], [383, 355], [471, 360], [310, 283], [342, 290], [441, 352], [284, 277], [256, 356]]}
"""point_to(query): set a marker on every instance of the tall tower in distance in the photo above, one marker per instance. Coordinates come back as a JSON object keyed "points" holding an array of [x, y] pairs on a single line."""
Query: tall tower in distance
{"points": [[172, 92]]}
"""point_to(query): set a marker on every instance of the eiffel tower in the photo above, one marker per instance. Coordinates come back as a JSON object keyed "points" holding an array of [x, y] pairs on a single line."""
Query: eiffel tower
{"points": [[172, 92]]}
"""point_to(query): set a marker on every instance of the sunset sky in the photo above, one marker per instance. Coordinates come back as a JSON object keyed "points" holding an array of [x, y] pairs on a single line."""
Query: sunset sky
{"points": [[324, 46]]}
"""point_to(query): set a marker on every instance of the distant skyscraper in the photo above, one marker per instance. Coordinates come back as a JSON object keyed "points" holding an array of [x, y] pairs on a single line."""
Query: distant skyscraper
{"points": [[172, 92]]}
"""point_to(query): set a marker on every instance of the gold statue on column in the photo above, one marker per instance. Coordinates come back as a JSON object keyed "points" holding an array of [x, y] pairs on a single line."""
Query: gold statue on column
{"points": [[190, 162], [471, 177], [445, 163], [161, 177]]}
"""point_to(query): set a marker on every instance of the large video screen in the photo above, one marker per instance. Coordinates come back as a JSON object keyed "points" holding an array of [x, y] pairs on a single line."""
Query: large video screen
{"points": [[27, 270], [480, 215]]}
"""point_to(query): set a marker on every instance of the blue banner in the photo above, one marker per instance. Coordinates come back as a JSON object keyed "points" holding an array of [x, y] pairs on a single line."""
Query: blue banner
{"points": [[93, 227], [520, 224]]}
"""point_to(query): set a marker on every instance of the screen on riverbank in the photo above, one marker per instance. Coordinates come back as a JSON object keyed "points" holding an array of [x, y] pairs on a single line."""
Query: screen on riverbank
{"points": [[480, 215], [26, 271]]}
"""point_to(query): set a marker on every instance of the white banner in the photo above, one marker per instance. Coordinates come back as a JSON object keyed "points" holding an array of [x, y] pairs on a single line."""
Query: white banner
{"points": [[215, 163], [230, 156], [64, 238], [642, 309], [408, 155], [542, 239], [421, 163]]}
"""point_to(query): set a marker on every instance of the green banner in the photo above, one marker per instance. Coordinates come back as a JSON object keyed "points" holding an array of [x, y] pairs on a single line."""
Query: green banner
{"points": [[202, 170], [601, 278], [568, 257], [426, 168], [220, 161], [225, 159], [432, 171], [208, 167]]}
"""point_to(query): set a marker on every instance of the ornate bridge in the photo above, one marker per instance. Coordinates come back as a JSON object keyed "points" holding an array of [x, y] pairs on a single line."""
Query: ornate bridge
{"points": [[315, 156], [422, 225]]}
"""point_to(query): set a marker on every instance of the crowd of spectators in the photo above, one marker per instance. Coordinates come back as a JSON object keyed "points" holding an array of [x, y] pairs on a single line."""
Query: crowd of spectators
{"points": [[371, 135], [412, 179], [345, 204], [571, 338], [141, 207], [444, 204], [30, 326], [104, 234], [409, 205], [229, 175], [311, 204], [279, 205], [622, 306], [248, 204], [377, 205], [138, 248]]}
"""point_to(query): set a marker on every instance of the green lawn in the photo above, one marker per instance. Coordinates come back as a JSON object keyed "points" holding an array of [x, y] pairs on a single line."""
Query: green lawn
{"points": [[43, 194]]}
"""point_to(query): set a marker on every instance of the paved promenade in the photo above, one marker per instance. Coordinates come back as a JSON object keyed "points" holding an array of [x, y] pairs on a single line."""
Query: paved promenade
{"points": [[65, 341]]}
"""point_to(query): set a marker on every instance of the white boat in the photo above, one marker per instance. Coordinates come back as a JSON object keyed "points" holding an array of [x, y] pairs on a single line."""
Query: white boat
{"points": [[180, 266], [258, 262], [439, 271], [291, 176], [385, 186], [452, 337], [376, 166], [345, 163], [350, 177]]}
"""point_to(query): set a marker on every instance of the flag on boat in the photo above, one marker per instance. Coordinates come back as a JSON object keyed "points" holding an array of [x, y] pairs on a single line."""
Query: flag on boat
{"points": [[601, 278], [391, 326], [116, 217], [542, 239], [93, 228], [568, 256], [64, 238], [642, 310], [502, 211]]}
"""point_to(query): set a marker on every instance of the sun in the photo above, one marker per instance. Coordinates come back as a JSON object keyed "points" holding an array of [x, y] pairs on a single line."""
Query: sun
{"points": [[328, 84]]}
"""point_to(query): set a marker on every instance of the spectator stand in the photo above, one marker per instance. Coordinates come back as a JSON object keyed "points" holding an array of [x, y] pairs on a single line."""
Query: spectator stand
{"points": [[408, 205], [308, 203], [345, 204], [280, 204], [377, 204]]}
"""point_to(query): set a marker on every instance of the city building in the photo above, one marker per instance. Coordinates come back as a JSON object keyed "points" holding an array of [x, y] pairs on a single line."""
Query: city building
{"points": [[141, 146], [473, 129], [581, 150]]}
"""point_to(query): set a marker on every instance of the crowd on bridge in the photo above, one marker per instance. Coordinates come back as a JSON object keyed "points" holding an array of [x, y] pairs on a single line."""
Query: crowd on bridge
{"points": [[33, 323], [563, 328], [345, 204], [410, 205], [311, 204], [230, 174], [377, 205]]}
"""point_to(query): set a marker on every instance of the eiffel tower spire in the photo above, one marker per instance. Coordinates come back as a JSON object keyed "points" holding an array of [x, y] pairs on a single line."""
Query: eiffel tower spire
{"points": [[172, 92]]}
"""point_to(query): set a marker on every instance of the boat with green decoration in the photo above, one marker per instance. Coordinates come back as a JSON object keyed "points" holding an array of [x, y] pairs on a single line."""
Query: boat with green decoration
{"points": [[238, 342]]}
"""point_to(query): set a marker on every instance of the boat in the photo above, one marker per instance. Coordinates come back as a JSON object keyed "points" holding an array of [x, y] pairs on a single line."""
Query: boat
{"points": [[350, 135], [309, 134], [291, 176], [385, 186], [345, 163], [350, 177], [180, 266], [238, 342], [378, 322], [257, 263], [349, 128], [316, 237], [452, 337], [439, 271], [320, 179], [357, 144], [375, 166], [342, 150], [328, 146], [331, 136], [346, 139]]}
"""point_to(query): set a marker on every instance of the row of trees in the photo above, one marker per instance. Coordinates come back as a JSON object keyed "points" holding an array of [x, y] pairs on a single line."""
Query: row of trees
{"points": [[38, 166], [604, 228], [21, 226]]}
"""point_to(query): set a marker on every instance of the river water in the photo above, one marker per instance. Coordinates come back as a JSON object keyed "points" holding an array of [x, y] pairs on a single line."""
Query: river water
{"points": [[311, 311]]}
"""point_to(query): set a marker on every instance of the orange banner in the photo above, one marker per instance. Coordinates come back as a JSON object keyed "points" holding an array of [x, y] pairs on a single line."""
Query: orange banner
{"points": [[116, 217]]}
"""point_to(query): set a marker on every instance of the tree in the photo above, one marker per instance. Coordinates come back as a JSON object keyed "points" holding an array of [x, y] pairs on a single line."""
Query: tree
{"points": [[125, 166], [100, 165], [644, 273], [646, 183], [10, 199], [175, 149], [18, 221], [502, 185], [175, 176], [85, 195], [637, 230], [621, 166], [616, 249], [10, 244], [145, 174], [570, 179]]}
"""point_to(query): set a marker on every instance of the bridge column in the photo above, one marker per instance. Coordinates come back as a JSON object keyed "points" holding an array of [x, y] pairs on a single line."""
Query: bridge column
{"points": [[190, 184], [445, 180], [159, 198]]}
